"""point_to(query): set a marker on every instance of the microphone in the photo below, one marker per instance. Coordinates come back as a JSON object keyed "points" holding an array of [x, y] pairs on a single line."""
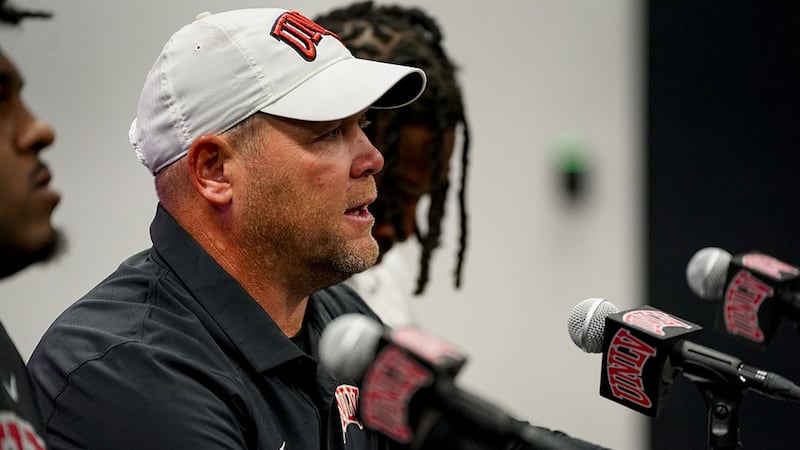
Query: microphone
{"points": [[755, 291], [407, 391], [644, 350]]}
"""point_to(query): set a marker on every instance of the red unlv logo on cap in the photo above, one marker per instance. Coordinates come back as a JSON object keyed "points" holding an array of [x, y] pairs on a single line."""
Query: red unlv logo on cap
{"points": [[300, 33]]}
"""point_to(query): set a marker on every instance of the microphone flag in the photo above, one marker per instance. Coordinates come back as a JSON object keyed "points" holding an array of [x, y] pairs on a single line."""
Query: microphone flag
{"points": [[636, 370]]}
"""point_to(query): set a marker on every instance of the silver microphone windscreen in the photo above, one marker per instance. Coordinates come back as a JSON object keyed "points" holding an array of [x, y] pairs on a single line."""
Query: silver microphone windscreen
{"points": [[348, 345], [587, 323], [706, 272]]}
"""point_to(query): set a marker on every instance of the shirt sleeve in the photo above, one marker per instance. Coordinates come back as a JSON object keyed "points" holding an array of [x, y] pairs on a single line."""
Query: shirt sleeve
{"points": [[135, 397]]}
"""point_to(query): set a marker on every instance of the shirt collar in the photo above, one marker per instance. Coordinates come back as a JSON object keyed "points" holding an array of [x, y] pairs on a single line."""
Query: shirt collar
{"points": [[237, 316]]}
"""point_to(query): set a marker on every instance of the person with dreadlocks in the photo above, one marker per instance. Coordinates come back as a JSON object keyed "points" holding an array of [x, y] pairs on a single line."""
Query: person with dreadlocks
{"points": [[26, 234], [417, 144]]}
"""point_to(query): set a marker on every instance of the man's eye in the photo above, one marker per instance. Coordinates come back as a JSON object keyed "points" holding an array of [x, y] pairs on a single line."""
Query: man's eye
{"points": [[333, 134], [364, 123]]}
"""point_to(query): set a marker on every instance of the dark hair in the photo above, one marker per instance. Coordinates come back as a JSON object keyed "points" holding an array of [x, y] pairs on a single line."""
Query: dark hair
{"points": [[411, 37], [10, 14]]}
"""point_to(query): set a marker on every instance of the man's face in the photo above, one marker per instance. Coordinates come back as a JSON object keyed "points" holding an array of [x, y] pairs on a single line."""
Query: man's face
{"points": [[306, 197], [26, 202], [412, 179]]}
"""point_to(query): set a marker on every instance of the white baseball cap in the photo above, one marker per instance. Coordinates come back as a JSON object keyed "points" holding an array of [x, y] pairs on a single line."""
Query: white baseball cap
{"points": [[222, 68]]}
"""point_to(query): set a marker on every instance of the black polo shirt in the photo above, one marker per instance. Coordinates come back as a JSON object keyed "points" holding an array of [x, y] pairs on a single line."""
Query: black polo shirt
{"points": [[169, 352], [20, 422]]}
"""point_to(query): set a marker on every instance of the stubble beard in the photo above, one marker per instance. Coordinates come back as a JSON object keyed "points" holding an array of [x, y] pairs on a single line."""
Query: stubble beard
{"points": [[352, 261], [318, 256]]}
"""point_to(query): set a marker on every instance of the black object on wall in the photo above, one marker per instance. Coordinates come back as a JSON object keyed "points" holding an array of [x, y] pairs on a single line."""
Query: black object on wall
{"points": [[723, 168]]}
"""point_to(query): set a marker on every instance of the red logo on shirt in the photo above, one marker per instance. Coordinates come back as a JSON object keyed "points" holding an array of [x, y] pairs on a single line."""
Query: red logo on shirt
{"points": [[347, 401], [17, 434]]}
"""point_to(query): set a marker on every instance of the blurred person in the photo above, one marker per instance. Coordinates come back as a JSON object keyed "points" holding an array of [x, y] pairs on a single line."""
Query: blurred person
{"points": [[27, 235], [417, 144], [251, 123]]}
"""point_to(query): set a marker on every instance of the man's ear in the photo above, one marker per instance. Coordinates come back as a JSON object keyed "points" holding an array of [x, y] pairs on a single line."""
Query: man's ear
{"points": [[209, 158]]}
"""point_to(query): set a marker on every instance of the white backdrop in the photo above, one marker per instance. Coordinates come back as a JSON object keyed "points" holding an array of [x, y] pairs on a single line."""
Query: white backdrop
{"points": [[534, 73]]}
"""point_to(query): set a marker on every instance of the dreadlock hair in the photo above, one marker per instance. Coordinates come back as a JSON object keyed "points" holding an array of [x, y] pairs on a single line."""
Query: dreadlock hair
{"points": [[11, 15], [408, 36]]}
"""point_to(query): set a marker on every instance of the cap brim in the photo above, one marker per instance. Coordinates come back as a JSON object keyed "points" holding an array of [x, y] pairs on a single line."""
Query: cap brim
{"points": [[348, 87]]}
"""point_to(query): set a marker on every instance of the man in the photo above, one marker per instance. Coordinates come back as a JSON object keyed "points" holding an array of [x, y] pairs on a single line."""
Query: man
{"points": [[27, 235], [251, 122], [417, 144]]}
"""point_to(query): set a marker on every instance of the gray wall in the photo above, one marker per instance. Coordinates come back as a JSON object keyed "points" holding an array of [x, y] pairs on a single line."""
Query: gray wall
{"points": [[535, 73]]}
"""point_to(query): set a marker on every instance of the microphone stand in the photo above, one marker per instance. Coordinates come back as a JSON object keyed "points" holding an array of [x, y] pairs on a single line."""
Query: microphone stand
{"points": [[717, 377], [723, 414]]}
